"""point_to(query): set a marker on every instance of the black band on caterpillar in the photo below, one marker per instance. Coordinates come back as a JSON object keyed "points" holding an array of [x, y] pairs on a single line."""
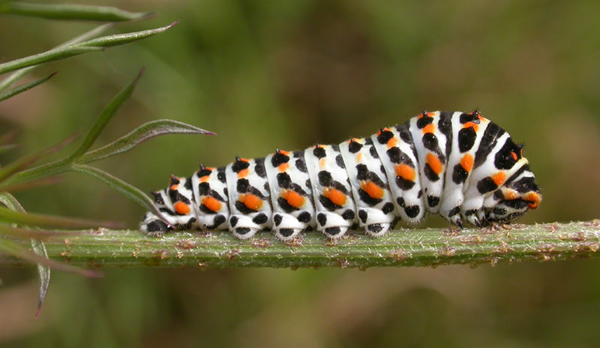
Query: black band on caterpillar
{"points": [[457, 164]]}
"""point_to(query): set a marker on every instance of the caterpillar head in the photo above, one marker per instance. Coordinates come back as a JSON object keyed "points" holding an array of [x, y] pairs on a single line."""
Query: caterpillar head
{"points": [[516, 198]]}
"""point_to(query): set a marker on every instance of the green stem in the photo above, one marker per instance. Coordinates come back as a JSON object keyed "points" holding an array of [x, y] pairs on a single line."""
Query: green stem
{"points": [[404, 247]]}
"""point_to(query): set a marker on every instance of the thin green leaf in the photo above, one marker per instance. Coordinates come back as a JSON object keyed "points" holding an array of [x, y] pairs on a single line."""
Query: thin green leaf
{"points": [[15, 249], [41, 234], [24, 87], [105, 116], [38, 249], [48, 56], [11, 79], [71, 12], [11, 188], [122, 187], [44, 220], [83, 47], [27, 161], [120, 39], [142, 133]]}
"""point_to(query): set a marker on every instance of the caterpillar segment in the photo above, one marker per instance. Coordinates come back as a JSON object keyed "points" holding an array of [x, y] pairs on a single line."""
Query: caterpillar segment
{"points": [[291, 193], [459, 165]]}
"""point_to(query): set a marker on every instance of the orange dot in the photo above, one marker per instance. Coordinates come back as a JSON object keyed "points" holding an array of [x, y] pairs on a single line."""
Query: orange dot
{"points": [[534, 199], [471, 124], [243, 173], [372, 189], [211, 203], [429, 128], [174, 187], [204, 179], [434, 162], [251, 201], [511, 195], [499, 178], [182, 208], [406, 172], [514, 155], [359, 157], [467, 162], [293, 198], [283, 167], [286, 153], [392, 142], [323, 162], [336, 196]]}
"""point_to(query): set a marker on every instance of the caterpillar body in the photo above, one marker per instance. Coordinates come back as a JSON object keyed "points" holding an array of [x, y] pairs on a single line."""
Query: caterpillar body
{"points": [[460, 165]]}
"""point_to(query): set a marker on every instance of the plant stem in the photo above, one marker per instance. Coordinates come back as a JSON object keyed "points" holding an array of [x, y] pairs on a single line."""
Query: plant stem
{"points": [[404, 247]]}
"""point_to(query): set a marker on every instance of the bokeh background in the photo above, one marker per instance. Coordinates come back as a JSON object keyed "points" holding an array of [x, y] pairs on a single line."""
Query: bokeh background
{"points": [[287, 74]]}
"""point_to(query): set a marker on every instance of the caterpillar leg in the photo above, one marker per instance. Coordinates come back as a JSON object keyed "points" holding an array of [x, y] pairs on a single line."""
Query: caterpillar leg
{"points": [[153, 225]]}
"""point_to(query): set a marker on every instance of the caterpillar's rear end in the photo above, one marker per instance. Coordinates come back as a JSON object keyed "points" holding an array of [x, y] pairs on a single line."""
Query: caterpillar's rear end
{"points": [[460, 165]]}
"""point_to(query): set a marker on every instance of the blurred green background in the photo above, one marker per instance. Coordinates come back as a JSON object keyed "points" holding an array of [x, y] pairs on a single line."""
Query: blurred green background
{"points": [[287, 74]]}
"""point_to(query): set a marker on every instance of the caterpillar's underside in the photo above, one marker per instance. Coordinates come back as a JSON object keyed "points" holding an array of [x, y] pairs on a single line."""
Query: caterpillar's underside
{"points": [[457, 164]]}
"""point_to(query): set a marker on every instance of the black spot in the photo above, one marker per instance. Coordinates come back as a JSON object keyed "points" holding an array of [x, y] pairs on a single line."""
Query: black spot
{"points": [[156, 225], [165, 210], [430, 174], [373, 152], [516, 204], [335, 147], [225, 191], [454, 211], [445, 126], [301, 165], [405, 134], [382, 169], [279, 158], [221, 175], [459, 175], [243, 208], [233, 221], [400, 201], [328, 204], [239, 165], [498, 195], [284, 180], [333, 231], [204, 172], [504, 159], [424, 121], [203, 188], [260, 218], [366, 198], [499, 211], [486, 185], [398, 157], [362, 172], [304, 217], [348, 215], [375, 228], [404, 184], [412, 211], [322, 219], [525, 185], [433, 201], [157, 197], [325, 178], [419, 193], [218, 220], [354, 146], [286, 232], [243, 185], [362, 214], [267, 188], [387, 208], [260, 168], [340, 161], [277, 219], [384, 136], [430, 141], [466, 139], [242, 231], [319, 152], [488, 141]]}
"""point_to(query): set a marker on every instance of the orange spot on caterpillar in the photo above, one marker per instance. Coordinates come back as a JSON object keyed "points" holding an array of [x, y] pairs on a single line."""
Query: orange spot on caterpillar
{"points": [[359, 157], [514, 155], [336, 196], [211, 203], [323, 162], [534, 199], [182, 208], [392, 142], [283, 167], [251, 201], [204, 179], [434, 162], [293, 198], [286, 153], [467, 162], [174, 187], [210, 168], [511, 195], [372, 189], [243, 173], [406, 172], [429, 128], [472, 125], [499, 178]]}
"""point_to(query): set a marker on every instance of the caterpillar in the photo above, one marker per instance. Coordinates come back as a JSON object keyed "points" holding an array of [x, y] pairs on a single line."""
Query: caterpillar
{"points": [[459, 165]]}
